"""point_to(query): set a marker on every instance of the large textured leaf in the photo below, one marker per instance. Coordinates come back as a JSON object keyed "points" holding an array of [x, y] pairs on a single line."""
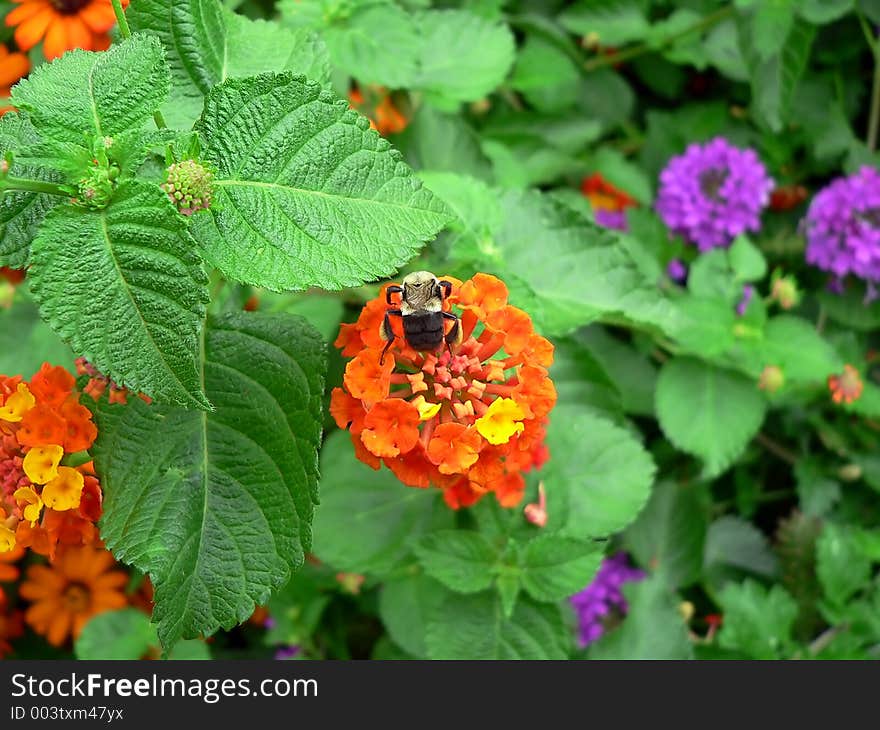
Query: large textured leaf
{"points": [[463, 56], [21, 212], [578, 270], [367, 518], [207, 43], [85, 94], [474, 627], [217, 506], [599, 476], [126, 289], [460, 559], [306, 194], [708, 411], [757, 621]]}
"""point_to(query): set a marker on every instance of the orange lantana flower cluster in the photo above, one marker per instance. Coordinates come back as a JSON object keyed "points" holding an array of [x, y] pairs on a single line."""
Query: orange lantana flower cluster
{"points": [[380, 109], [44, 502], [470, 421]]}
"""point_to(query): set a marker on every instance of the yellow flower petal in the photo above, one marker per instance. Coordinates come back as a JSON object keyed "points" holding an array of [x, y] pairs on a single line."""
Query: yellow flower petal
{"points": [[19, 403], [40, 464], [426, 410], [65, 490], [33, 503], [501, 422], [7, 539]]}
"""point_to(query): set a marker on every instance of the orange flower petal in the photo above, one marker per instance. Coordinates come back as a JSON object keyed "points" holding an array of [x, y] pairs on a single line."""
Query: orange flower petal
{"points": [[366, 379], [55, 43], [40, 426], [348, 412], [391, 428], [454, 448], [32, 30], [51, 385], [12, 68], [99, 16], [24, 11]]}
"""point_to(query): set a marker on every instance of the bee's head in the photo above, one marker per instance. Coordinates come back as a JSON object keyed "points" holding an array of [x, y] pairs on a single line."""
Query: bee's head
{"points": [[419, 288]]}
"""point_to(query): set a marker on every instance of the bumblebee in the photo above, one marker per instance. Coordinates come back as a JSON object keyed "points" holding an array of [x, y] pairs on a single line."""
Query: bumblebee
{"points": [[421, 309]]}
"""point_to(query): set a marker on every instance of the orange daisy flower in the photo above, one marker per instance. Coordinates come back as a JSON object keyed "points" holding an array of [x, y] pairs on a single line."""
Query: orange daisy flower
{"points": [[64, 596], [62, 25], [470, 421], [12, 67], [47, 502]]}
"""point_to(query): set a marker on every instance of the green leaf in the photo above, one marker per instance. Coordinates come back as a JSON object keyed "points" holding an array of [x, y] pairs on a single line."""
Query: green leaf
{"points": [[26, 342], [207, 43], [84, 94], [794, 345], [555, 567], [217, 507], [131, 268], [706, 326], [405, 607], [463, 56], [817, 492], [366, 517], [579, 271], [771, 24], [670, 532], [462, 561], [305, 193], [851, 309], [632, 373], [735, 546], [746, 260], [474, 627], [614, 22], [546, 75], [841, 564], [823, 11], [652, 629], [123, 634], [598, 477], [21, 212], [757, 621], [580, 379], [707, 411], [774, 80]]}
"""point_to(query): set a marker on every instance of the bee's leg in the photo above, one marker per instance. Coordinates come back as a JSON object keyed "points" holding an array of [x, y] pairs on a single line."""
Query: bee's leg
{"points": [[454, 336], [386, 333], [393, 289], [445, 288]]}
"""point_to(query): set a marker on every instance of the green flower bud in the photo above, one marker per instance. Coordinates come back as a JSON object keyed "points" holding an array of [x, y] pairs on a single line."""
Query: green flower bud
{"points": [[189, 185]]}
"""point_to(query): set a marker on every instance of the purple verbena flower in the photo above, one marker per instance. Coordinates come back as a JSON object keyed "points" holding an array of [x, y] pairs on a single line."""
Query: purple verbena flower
{"points": [[677, 270], [287, 652], [713, 192], [843, 228], [603, 597]]}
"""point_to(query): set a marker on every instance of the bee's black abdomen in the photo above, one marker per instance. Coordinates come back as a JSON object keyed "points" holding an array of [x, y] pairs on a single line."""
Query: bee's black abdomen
{"points": [[424, 331]]}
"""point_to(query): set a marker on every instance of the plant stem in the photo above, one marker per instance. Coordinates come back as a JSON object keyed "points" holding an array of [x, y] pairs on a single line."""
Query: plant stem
{"points": [[125, 32], [777, 449], [31, 186], [874, 119], [626, 54]]}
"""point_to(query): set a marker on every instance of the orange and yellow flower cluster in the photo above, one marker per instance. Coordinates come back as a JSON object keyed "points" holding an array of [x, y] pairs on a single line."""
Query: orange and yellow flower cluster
{"points": [[470, 421], [44, 503], [380, 109]]}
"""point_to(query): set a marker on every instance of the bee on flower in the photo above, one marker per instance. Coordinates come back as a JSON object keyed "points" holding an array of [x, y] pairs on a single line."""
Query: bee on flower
{"points": [[468, 416], [44, 501]]}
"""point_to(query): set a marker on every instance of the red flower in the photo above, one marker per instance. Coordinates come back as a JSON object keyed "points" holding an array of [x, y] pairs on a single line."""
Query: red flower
{"points": [[470, 421], [846, 387]]}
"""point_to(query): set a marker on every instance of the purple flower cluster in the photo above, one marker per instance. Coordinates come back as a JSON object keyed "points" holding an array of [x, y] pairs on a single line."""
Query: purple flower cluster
{"points": [[602, 597], [713, 192], [843, 227]]}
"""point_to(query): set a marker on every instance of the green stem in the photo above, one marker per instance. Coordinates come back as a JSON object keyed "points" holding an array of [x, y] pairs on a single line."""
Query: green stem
{"points": [[776, 449], [633, 51], [874, 119], [31, 186], [125, 32]]}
